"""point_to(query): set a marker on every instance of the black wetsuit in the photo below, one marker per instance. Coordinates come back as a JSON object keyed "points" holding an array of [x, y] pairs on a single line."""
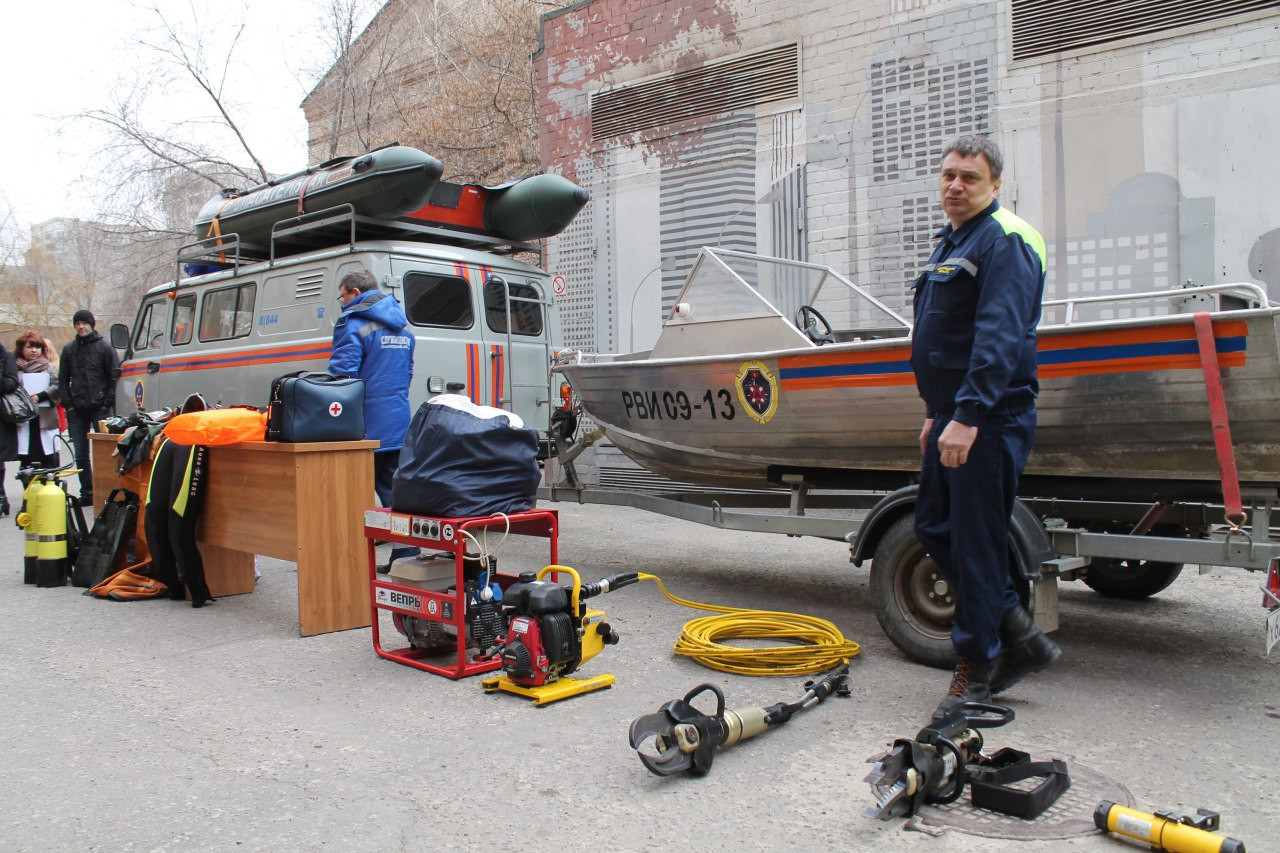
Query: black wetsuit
{"points": [[175, 497]]}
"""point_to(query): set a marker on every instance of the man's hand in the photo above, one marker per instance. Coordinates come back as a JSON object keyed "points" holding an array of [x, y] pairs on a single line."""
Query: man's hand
{"points": [[954, 444], [924, 434]]}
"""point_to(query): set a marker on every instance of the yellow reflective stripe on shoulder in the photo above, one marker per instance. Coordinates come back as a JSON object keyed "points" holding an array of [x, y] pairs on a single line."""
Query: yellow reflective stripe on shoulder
{"points": [[164, 439], [1014, 224]]}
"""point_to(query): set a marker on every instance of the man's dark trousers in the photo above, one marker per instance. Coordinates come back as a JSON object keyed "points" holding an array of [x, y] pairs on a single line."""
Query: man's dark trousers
{"points": [[80, 422], [385, 463], [962, 520]]}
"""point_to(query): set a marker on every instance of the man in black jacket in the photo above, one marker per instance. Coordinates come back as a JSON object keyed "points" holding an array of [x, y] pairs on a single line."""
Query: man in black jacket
{"points": [[87, 377]]}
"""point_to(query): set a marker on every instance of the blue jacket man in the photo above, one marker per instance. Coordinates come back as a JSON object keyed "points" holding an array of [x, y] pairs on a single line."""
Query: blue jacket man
{"points": [[973, 351], [372, 341]]}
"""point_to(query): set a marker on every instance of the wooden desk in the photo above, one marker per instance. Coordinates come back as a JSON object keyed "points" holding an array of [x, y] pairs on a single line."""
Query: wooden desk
{"points": [[299, 502]]}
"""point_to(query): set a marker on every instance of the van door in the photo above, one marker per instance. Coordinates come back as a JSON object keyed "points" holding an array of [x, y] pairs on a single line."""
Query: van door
{"points": [[449, 349], [140, 385], [517, 334]]}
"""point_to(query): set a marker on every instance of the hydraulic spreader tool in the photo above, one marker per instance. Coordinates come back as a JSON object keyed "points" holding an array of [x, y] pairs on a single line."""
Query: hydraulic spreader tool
{"points": [[935, 765], [1166, 830], [678, 738], [551, 633]]}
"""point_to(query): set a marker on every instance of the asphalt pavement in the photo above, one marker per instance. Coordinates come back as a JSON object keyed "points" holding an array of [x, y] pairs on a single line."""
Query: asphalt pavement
{"points": [[153, 726]]}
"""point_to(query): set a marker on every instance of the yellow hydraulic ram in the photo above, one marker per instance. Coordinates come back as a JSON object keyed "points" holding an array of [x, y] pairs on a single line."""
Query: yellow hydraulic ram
{"points": [[1165, 830]]}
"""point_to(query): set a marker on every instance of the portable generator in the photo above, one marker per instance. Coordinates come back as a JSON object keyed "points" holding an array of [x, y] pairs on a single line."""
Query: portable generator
{"points": [[486, 624]]}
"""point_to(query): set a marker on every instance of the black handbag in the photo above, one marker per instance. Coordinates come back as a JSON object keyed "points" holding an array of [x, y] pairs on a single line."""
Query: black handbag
{"points": [[17, 407], [309, 406]]}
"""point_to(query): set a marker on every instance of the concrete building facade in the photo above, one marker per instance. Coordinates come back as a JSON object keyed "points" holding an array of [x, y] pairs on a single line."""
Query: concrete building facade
{"points": [[1137, 142]]}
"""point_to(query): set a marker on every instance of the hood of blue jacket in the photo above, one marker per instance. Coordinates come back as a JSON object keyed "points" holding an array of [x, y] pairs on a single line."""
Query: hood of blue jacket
{"points": [[378, 306]]}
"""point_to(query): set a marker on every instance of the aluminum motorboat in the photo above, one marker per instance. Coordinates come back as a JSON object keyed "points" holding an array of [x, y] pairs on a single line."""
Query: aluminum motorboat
{"points": [[749, 382]]}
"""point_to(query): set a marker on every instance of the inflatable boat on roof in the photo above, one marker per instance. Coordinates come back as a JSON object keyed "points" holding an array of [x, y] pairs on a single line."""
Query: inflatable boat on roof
{"points": [[383, 184], [392, 192]]}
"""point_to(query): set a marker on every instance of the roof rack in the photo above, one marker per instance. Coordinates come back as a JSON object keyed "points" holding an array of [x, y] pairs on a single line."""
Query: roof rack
{"points": [[217, 253], [337, 225], [332, 227]]}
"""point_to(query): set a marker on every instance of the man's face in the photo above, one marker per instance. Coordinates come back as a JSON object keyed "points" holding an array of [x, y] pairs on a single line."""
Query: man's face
{"points": [[345, 296], [83, 328], [966, 187]]}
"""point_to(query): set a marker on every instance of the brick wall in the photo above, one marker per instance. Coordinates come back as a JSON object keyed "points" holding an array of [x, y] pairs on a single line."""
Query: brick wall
{"points": [[1083, 132]]}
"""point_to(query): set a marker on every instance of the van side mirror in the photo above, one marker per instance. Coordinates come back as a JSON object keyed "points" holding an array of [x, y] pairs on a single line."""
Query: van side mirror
{"points": [[119, 335]]}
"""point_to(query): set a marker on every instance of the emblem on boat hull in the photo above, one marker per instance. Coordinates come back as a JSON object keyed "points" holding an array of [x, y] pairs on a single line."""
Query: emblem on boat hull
{"points": [[758, 391]]}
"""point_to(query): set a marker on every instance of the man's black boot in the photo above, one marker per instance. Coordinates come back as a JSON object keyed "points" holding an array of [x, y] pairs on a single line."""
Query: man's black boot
{"points": [[1027, 649], [969, 683]]}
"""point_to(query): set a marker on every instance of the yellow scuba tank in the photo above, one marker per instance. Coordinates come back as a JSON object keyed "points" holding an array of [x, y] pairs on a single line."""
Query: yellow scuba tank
{"points": [[24, 520], [49, 514]]}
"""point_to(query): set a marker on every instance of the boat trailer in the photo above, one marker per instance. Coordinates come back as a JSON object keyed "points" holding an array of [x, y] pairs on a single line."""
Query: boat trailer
{"points": [[1110, 535]]}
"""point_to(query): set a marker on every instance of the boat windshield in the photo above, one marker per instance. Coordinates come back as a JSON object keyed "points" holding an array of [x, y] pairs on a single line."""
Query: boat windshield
{"points": [[735, 301]]}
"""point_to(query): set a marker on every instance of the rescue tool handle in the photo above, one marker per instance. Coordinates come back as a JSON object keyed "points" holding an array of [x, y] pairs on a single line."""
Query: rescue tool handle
{"points": [[1163, 831]]}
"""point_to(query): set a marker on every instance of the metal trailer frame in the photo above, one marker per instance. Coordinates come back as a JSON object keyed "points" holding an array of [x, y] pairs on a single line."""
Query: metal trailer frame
{"points": [[1050, 540]]}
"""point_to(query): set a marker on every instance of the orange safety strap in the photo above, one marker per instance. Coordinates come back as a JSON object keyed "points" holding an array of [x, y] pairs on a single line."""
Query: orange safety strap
{"points": [[303, 191], [215, 228], [1218, 418]]}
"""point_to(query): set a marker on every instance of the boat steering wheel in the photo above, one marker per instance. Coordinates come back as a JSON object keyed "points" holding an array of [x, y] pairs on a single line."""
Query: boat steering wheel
{"points": [[810, 321]]}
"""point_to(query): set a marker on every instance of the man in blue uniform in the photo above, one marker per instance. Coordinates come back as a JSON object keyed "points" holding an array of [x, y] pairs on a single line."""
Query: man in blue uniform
{"points": [[372, 341], [973, 351]]}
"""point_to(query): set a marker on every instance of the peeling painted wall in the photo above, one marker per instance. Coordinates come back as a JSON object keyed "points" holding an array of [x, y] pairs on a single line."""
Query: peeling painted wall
{"points": [[1145, 163]]}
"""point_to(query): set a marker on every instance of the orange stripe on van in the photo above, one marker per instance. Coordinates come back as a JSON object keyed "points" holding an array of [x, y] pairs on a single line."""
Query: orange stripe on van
{"points": [[496, 367]]}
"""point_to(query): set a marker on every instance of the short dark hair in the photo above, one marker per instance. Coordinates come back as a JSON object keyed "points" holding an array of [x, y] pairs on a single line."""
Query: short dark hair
{"points": [[971, 146], [361, 280]]}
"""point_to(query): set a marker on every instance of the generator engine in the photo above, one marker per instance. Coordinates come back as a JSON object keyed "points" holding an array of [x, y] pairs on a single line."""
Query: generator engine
{"points": [[486, 623], [550, 633]]}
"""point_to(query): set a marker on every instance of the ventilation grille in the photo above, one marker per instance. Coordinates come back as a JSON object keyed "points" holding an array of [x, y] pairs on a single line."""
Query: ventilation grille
{"points": [[310, 286], [1047, 26], [714, 89]]}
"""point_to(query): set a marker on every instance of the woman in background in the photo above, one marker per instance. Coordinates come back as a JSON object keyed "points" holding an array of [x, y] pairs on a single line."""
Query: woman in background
{"points": [[38, 437], [52, 351], [8, 433]]}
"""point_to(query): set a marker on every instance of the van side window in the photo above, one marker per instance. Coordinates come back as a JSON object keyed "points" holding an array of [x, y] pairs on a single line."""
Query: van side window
{"points": [[184, 319], [438, 300], [150, 332], [526, 317], [227, 313]]}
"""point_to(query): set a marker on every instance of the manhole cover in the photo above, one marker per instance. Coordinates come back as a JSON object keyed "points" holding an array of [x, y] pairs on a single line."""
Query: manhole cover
{"points": [[1070, 816]]}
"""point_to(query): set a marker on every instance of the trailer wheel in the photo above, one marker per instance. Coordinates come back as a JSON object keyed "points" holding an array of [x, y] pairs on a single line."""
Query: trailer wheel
{"points": [[1130, 579], [912, 600]]}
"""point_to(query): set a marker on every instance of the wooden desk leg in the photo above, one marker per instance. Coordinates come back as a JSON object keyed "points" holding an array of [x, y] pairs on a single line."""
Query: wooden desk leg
{"points": [[333, 572], [227, 572]]}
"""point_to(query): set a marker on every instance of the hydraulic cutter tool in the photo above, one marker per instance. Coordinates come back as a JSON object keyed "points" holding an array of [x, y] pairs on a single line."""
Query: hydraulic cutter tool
{"points": [[679, 738]]}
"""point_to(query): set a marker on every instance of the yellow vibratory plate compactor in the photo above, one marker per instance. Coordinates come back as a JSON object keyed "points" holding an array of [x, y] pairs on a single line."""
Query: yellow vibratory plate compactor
{"points": [[551, 633]]}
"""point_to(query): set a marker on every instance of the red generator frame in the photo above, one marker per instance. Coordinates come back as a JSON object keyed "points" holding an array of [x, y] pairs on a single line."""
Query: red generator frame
{"points": [[446, 608]]}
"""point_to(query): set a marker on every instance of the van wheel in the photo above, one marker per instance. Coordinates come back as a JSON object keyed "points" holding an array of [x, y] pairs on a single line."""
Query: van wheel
{"points": [[1130, 579], [913, 601]]}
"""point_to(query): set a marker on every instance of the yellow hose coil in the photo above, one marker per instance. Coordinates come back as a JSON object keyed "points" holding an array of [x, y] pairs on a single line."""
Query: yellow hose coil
{"points": [[817, 645]]}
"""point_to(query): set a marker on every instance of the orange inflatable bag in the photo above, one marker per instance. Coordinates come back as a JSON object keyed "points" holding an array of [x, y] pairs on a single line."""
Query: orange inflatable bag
{"points": [[213, 427], [127, 585]]}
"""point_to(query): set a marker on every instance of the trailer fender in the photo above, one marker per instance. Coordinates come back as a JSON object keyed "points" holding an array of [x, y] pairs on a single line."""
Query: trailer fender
{"points": [[888, 510], [1028, 541]]}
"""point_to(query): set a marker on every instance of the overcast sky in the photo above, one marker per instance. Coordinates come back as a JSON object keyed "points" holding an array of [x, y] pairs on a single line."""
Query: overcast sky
{"points": [[61, 57]]}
